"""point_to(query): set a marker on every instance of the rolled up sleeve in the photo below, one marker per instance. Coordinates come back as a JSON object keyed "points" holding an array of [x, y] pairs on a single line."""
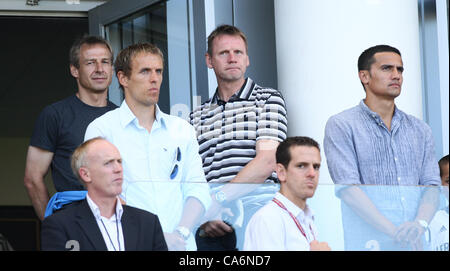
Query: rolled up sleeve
{"points": [[430, 172], [194, 182]]}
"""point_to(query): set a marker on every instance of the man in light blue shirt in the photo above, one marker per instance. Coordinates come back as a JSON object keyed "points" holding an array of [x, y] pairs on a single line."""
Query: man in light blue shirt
{"points": [[163, 171], [376, 143]]}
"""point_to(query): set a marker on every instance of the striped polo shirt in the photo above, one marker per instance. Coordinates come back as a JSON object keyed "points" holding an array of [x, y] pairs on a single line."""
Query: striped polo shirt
{"points": [[227, 131]]}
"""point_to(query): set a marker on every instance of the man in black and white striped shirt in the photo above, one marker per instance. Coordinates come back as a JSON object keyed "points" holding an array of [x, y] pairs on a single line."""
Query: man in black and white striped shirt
{"points": [[238, 130]]}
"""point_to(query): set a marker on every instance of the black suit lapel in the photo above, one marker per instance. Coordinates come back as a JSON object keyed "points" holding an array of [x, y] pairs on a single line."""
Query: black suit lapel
{"points": [[129, 229], [88, 224]]}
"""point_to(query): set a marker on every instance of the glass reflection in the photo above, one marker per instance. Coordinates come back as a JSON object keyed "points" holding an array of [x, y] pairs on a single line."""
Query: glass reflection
{"points": [[356, 218]]}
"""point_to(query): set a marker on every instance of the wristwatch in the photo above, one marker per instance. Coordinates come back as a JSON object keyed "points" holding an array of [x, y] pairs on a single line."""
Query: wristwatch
{"points": [[183, 231], [220, 197], [423, 223]]}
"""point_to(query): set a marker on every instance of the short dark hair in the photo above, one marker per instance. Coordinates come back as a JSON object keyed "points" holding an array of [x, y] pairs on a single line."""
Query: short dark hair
{"points": [[283, 154], [123, 60], [444, 160], [125, 57], [225, 30], [366, 59], [74, 54]]}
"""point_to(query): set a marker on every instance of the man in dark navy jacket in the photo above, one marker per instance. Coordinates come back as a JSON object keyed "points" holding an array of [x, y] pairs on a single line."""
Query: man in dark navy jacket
{"points": [[101, 222]]}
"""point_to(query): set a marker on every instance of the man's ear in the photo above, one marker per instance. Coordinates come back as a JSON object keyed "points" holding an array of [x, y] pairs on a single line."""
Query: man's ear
{"points": [[208, 61], [74, 71], [84, 174], [281, 172], [123, 79], [364, 76]]}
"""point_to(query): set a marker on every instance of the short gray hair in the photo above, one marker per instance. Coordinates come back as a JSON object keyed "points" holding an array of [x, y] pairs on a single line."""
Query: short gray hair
{"points": [[79, 156]]}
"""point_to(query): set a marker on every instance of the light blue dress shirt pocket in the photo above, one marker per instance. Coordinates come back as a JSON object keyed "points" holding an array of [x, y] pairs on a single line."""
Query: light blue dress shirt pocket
{"points": [[167, 162]]}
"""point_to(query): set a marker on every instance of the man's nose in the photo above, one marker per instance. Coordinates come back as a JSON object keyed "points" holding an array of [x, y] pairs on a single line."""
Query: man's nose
{"points": [[231, 57], [153, 77], [117, 167], [311, 171], [396, 73], [99, 67]]}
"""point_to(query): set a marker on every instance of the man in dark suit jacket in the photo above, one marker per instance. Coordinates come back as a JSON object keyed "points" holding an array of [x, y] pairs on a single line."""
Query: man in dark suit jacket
{"points": [[83, 225]]}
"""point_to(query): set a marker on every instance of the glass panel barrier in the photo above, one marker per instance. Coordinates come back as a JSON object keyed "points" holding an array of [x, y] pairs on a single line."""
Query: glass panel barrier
{"points": [[357, 218]]}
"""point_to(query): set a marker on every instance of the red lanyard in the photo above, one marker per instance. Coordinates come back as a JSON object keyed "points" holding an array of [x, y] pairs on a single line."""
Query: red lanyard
{"points": [[299, 226]]}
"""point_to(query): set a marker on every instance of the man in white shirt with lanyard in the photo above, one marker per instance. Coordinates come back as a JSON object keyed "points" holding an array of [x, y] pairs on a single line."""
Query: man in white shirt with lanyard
{"points": [[286, 222]]}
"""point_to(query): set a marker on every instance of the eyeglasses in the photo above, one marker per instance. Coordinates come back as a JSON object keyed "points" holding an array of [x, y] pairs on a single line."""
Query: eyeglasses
{"points": [[175, 167]]}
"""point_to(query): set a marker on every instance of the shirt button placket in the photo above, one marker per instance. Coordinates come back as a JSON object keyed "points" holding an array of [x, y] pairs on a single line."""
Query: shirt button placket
{"points": [[149, 157], [394, 152]]}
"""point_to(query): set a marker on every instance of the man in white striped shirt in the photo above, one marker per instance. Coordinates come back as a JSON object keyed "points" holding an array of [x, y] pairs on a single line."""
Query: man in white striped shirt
{"points": [[238, 131]]}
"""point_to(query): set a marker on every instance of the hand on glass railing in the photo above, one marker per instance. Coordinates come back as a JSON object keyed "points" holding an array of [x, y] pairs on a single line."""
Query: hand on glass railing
{"points": [[319, 246], [174, 241], [214, 225], [410, 233], [215, 228]]}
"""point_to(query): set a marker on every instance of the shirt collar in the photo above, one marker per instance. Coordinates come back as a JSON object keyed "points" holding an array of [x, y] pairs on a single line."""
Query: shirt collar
{"points": [[96, 210], [127, 116], [242, 94], [294, 209], [396, 118]]}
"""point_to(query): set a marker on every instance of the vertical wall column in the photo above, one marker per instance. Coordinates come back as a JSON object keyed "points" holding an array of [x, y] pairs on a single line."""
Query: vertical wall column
{"points": [[318, 44], [443, 51]]}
